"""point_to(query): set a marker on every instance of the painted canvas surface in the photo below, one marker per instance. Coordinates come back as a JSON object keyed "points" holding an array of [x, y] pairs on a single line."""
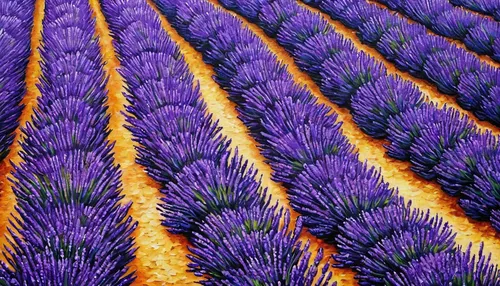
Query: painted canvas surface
{"points": [[255, 142]]}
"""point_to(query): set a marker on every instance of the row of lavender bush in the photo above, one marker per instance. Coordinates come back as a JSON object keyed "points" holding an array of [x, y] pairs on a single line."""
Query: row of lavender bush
{"points": [[480, 34], [440, 143], [453, 70], [487, 7], [70, 228], [342, 200], [16, 21], [209, 196]]}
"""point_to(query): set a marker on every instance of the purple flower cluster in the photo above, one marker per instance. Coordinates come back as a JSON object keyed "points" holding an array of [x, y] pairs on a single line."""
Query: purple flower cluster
{"points": [[386, 106], [478, 33], [342, 200], [71, 228], [211, 197], [16, 20], [486, 7], [453, 70]]}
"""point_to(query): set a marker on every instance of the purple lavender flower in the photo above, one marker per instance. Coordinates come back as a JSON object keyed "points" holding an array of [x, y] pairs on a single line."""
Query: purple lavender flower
{"points": [[242, 54], [357, 14], [336, 9], [359, 235], [336, 188], [475, 5], [300, 134], [255, 72], [490, 106], [438, 137], [379, 24], [383, 30], [161, 153], [496, 48], [484, 195], [390, 43], [228, 42], [477, 33], [495, 219], [274, 14], [265, 96], [236, 241], [474, 89], [443, 268], [213, 23], [311, 55], [457, 167], [376, 102], [445, 68], [425, 11], [393, 4], [300, 140], [414, 53], [301, 27], [249, 9], [482, 37], [16, 20], [344, 73], [404, 128], [394, 253], [209, 187], [455, 24], [211, 196], [184, 17]]}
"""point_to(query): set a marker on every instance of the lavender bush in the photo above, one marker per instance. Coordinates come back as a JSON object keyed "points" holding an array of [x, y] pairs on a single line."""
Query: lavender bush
{"points": [[487, 7]]}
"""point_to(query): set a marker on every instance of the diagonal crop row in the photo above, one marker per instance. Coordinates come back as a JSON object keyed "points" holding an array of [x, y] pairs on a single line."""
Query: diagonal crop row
{"points": [[342, 200], [486, 7], [452, 70], [440, 143], [71, 228], [209, 196], [16, 21], [480, 34]]}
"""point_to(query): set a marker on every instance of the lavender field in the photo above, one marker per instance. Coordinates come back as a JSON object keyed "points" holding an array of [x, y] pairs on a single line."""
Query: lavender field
{"points": [[256, 142]]}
